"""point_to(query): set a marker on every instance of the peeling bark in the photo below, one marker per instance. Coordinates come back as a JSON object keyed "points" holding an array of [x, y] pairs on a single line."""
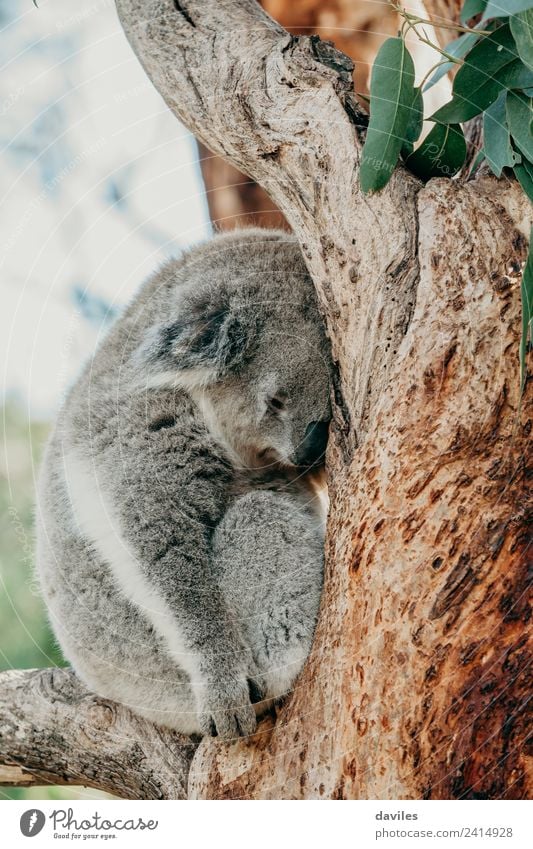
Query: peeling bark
{"points": [[417, 683]]}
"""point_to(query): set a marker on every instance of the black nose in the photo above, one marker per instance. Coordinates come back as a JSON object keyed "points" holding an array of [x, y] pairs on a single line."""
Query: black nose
{"points": [[313, 447]]}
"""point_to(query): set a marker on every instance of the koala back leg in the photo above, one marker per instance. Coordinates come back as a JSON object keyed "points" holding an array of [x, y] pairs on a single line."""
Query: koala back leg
{"points": [[269, 553], [108, 641]]}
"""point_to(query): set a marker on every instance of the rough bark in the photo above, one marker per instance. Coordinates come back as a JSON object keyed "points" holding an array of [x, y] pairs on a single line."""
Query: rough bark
{"points": [[271, 113], [53, 731], [417, 686], [417, 682], [357, 28], [233, 199]]}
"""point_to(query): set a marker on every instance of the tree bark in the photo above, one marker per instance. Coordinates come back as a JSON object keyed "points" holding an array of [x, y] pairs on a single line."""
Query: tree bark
{"points": [[53, 731], [357, 28], [417, 683]]}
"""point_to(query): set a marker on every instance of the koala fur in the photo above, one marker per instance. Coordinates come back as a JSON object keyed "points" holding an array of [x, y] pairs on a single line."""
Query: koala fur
{"points": [[180, 535]]}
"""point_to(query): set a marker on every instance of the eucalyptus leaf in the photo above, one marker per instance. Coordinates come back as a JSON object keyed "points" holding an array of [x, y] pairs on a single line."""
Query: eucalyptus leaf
{"points": [[522, 30], [459, 47], [497, 142], [524, 175], [391, 98], [504, 8], [519, 115], [526, 290], [441, 154], [415, 123], [477, 83], [472, 8], [515, 75]]}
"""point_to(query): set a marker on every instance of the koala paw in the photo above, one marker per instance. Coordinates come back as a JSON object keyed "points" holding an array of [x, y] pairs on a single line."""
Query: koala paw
{"points": [[225, 708]]}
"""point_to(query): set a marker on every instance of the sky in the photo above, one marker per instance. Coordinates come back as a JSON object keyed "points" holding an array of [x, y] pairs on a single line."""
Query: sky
{"points": [[99, 183]]}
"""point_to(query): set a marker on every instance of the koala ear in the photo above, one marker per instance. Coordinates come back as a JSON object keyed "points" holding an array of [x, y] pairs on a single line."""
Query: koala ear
{"points": [[199, 348]]}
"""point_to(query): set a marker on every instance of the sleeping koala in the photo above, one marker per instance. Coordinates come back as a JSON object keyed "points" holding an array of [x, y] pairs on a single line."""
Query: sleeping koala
{"points": [[180, 534]]}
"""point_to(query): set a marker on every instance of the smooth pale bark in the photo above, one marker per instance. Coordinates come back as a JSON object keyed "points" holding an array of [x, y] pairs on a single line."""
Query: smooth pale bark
{"points": [[416, 683]]}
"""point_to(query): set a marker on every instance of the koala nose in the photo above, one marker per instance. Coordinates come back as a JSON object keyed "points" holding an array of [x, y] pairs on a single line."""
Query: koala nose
{"points": [[313, 447]]}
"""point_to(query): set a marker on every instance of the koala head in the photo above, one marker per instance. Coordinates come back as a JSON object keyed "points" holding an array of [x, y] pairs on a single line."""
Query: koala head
{"points": [[248, 343]]}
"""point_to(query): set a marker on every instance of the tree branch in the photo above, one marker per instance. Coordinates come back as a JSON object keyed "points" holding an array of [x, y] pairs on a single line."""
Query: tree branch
{"points": [[53, 731], [282, 110], [415, 687]]}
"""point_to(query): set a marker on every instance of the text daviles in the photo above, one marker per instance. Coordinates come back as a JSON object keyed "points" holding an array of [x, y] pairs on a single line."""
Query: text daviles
{"points": [[397, 815], [65, 819]]}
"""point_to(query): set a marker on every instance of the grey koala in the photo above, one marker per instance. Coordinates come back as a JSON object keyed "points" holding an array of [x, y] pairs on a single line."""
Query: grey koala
{"points": [[180, 534]]}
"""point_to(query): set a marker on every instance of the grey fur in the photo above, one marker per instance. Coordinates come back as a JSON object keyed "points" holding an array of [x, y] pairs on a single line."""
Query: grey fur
{"points": [[180, 541]]}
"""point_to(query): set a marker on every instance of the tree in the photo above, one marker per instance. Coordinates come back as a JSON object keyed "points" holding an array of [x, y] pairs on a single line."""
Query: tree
{"points": [[357, 28], [417, 683]]}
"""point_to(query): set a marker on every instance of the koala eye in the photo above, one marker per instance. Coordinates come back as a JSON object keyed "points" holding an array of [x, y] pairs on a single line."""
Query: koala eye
{"points": [[276, 404]]}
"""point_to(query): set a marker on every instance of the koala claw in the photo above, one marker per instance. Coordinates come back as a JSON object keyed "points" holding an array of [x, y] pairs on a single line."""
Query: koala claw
{"points": [[229, 724], [256, 691], [230, 713]]}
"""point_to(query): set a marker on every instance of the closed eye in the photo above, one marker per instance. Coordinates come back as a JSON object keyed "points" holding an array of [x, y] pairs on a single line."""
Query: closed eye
{"points": [[162, 422], [276, 404]]}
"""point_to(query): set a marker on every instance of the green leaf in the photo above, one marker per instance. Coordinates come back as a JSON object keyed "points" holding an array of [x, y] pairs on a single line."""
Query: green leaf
{"points": [[522, 30], [391, 98], [471, 8], [459, 47], [519, 116], [524, 175], [498, 149], [441, 154], [504, 8], [415, 123], [515, 75], [526, 289], [477, 83]]}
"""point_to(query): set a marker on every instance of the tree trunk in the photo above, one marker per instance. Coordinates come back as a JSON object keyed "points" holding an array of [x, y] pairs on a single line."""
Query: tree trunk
{"points": [[416, 685], [418, 682], [357, 27]]}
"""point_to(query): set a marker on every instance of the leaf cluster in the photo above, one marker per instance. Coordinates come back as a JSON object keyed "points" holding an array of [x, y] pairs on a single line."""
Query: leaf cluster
{"points": [[495, 80]]}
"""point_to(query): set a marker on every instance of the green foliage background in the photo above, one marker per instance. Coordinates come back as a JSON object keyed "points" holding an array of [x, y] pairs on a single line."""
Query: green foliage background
{"points": [[26, 640]]}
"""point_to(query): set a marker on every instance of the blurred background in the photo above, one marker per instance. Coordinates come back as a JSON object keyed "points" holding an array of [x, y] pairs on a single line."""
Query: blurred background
{"points": [[98, 184]]}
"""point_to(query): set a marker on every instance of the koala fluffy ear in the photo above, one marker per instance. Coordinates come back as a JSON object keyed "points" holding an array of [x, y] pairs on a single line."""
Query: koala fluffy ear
{"points": [[200, 347]]}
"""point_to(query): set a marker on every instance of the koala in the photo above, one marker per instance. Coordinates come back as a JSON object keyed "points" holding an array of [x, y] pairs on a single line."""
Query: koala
{"points": [[179, 525]]}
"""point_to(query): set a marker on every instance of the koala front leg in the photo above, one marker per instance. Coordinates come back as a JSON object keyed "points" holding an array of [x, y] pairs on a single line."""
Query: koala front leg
{"points": [[224, 678], [269, 552], [152, 523]]}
